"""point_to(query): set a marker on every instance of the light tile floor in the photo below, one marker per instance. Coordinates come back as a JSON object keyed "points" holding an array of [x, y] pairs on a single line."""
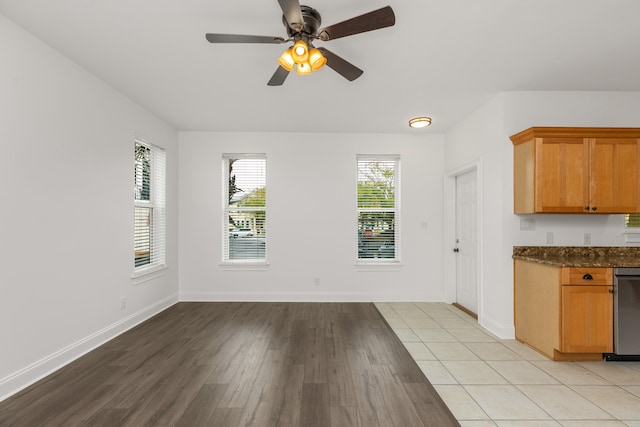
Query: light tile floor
{"points": [[487, 381]]}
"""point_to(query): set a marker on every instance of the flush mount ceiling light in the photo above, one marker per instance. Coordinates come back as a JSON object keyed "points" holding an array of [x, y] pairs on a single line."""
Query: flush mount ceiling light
{"points": [[420, 122]]}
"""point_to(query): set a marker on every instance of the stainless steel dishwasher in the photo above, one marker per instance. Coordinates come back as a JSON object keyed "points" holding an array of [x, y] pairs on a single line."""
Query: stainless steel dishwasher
{"points": [[626, 314]]}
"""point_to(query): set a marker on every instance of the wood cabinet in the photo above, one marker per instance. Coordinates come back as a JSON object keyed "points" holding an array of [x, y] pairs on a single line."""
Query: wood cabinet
{"points": [[586, 310], [577, 170], [565, 313]]}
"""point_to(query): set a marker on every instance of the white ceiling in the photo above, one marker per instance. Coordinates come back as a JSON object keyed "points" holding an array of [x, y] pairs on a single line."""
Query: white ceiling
{"points": [[442, 58]]}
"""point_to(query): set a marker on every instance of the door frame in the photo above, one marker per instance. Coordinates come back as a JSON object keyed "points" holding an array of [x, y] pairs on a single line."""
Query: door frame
{"points": [[450, 273]]}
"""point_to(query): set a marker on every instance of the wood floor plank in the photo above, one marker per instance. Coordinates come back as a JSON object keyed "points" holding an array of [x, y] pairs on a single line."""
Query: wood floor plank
{"points": [[432, 411], [77, 408], [166, 403], [259, 407], [396, 401], [201, 410], [370, 403], [315, 360], [106, 417], [288, 397], [226, 417], [343, 416], [315, 410], [341, 388], [240, 364], [250, 361]]}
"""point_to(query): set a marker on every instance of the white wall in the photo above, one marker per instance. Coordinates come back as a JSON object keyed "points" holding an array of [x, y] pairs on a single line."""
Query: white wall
{"points": [[66, 223], [311, 200], [480, 138], [484, 136]]}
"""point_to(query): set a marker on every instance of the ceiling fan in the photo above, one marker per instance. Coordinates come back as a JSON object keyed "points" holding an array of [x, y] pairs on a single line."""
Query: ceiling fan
{"points": [[302, 24]]}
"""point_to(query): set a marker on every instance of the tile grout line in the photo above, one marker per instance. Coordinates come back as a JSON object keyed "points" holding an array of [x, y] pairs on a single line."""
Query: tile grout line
{"points": [[389, 311]]}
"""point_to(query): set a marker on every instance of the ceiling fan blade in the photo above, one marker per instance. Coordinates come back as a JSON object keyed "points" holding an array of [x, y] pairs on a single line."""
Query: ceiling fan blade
{"points": [[340, 66], [241, 38], [374, 20], [278, 77], [292, 14]]}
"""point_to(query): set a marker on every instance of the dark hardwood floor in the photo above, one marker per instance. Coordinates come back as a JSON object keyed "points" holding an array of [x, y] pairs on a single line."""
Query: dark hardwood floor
{"points": [[240, 364]]}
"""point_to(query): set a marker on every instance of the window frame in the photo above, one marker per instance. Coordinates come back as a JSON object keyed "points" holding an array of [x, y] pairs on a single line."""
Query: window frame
{"points": [[631, 231], [241, 263], [396, 210], [156, 204], [632, 222]]}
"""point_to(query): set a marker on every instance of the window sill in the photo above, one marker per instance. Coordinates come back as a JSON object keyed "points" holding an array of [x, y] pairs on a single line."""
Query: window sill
{"points": [[631, 236], [245, 266], [145, 274], [378, 266]]}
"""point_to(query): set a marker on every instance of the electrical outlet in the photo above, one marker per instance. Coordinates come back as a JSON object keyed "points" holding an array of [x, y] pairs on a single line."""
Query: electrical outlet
{"points": [[527, 224], [549, 237], [123, 303], [587, 238]]}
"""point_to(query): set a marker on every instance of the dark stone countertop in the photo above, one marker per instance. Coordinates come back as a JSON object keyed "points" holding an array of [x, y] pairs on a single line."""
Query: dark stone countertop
{"points": [[580, 256]]}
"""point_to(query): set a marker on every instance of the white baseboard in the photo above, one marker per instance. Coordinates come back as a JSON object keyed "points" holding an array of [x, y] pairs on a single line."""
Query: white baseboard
{"points": [[304, 297], [40, 369], [498, 329]]}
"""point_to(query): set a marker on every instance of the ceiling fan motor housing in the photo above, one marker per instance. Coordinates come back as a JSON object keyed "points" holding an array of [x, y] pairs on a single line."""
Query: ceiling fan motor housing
{"points": [[312, 21]]}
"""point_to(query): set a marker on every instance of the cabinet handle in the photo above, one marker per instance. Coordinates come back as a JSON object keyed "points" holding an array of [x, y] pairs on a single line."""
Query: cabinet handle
{"points": [[586, 208], [593, 208], [610, 291], [587, 277]]}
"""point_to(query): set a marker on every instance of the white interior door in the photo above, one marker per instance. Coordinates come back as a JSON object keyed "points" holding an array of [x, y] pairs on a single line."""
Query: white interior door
{"points": [[467, 241]]}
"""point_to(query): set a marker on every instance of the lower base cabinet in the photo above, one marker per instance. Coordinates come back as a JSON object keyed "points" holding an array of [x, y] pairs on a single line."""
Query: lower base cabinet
{"points": [[565, 313], [586, 319]]}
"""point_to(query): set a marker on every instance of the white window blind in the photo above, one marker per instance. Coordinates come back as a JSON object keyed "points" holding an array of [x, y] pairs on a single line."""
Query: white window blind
{"points": [[244, 218], [378, 206], [149, 207]]}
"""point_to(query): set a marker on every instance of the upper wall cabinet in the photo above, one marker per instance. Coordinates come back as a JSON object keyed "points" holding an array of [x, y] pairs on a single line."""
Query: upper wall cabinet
{"points": [[577, 170]]}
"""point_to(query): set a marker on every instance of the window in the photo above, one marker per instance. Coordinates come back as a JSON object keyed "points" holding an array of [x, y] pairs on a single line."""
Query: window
{"points": [[632, 221], [244, 204], [378, 208], [149, 207]]}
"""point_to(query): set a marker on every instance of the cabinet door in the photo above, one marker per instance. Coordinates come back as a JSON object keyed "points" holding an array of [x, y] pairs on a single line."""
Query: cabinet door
{"points": [[586, 319], [615, 175], [562, 175]]}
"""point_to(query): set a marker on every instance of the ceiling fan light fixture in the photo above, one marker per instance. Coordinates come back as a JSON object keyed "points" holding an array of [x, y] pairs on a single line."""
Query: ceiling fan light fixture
{"points": [[300, 52], [316, 59], [286, 60], [303, 68], [420, 122], [302, 24]]}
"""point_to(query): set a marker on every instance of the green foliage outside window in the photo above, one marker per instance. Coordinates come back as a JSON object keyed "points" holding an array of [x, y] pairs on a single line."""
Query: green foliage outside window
{"points": [[632, 220]]}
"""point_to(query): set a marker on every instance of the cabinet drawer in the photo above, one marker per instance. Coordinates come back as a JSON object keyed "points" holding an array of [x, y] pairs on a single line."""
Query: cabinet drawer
{"points": [[587, 276]]}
